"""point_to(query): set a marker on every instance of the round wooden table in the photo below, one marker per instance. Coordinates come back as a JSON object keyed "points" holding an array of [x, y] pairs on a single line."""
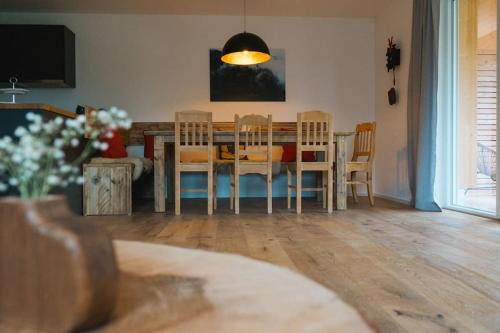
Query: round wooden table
{"points": [[169, 289]]}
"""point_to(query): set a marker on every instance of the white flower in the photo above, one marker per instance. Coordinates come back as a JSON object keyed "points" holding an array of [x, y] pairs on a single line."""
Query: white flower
{"points": [[34, 167], [35, 128], [104, 117], [121, 114], [59, 121], [71, 123], [65, 168], [53, 180], [58, 143], [20, 131], [16, 158], [41, 143], [58, 154], [35, 118], [36, 155]]}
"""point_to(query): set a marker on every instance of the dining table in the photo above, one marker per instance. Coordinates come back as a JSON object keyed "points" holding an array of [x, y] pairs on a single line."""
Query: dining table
{"points": [[164, 141]]}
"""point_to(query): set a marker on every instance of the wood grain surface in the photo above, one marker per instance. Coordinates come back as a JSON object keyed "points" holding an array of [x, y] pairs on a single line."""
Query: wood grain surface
{"points": [[175, 290], [38, 106], [404, 270], [57, 271]]}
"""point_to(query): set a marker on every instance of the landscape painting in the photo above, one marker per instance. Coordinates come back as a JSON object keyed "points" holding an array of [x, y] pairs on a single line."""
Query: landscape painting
{"points": [[262, 82]]}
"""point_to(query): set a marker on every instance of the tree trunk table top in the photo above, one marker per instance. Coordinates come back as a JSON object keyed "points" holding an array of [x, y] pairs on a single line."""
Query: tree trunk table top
{"points": [[164, 288]]}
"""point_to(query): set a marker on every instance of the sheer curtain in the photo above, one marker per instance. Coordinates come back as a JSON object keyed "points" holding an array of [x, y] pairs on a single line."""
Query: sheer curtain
{"points": [[422, 103]]}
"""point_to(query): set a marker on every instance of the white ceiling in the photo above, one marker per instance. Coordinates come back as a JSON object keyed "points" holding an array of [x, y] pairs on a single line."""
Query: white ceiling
{"points": [[319, 8]]}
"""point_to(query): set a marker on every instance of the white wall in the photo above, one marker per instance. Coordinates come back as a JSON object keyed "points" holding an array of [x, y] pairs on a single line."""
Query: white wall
{"points": [[155, 65], [391, 165]]}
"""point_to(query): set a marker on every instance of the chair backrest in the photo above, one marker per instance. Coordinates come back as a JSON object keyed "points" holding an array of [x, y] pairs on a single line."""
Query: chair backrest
{"points": [[315, 133], [364, 141], [248, 132], [193, 131]]}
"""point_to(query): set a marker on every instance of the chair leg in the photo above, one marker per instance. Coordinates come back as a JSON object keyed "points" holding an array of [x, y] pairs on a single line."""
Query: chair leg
{"points": [[329, 195], [269, 193], [177, 192], [298, 191], [369, 186], [353, 188], [215, 188], [236, 194], [210, 190], [231, 189], [289, 188], [324, 185], [319, 184]]}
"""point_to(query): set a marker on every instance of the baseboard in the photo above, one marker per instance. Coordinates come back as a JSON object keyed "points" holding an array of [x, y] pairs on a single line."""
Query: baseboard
{"points": [[392, 198]]}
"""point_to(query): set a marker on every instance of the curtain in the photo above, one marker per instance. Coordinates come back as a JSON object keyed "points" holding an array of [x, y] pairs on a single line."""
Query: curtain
{"points": [[422, 104]]}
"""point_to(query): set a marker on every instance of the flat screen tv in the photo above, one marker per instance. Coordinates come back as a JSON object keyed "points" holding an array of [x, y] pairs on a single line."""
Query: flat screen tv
{"points": [[39, 56]]}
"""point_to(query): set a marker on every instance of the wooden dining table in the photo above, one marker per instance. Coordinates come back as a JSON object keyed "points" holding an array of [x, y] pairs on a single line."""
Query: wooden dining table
{"points": [[164, 143]]}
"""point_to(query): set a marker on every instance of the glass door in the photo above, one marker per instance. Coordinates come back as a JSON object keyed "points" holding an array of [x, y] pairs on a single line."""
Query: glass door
{"points": [[475, 108]]}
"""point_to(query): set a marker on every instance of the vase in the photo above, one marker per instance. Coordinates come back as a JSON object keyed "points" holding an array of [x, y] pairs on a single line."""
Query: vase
{"points": [[58, 271]]}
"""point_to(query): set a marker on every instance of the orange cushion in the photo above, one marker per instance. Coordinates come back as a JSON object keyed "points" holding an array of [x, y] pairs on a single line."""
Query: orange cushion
{"points": [[277, 153], [197, 156]]}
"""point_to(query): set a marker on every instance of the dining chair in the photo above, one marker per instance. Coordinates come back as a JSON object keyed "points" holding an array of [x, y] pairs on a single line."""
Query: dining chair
{"points": [[248, 131], [312, 129], [364, 148], [193, 152]]}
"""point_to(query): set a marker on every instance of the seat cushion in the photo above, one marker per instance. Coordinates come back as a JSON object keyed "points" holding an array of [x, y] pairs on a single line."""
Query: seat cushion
{"points": [[116, 148], [227, 152], [149, 147], [197, 156], [290, 154]]}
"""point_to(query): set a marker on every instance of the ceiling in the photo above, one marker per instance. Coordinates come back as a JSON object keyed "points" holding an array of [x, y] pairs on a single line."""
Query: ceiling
{"points": [[317, 8]]}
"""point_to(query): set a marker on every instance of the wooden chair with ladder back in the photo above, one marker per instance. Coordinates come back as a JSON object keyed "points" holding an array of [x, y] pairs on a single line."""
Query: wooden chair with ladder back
{"points": [[314, 133], [364, 147], [194, 137], [258, 160]]}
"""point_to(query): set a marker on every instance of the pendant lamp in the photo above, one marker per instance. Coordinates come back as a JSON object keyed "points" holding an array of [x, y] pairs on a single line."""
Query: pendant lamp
{"points": [[245, 48]]}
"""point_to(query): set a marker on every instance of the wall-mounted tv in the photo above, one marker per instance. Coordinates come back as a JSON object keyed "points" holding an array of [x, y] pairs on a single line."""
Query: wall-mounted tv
{"points": [[40, 56]]}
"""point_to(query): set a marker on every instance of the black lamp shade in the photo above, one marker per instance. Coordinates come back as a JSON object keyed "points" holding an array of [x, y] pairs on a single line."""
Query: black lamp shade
{"points": [[245, 49]]}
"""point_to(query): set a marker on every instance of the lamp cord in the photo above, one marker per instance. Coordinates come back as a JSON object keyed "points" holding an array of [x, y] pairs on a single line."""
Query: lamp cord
{"points": [[244, 15]]}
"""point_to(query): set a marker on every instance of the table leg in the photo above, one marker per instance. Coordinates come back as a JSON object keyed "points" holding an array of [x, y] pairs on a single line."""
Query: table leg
{"points": [[341, 186], [159, 165]]}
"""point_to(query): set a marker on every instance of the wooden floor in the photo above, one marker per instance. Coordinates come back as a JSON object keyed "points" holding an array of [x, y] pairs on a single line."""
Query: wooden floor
{"points": [[405, 271]]}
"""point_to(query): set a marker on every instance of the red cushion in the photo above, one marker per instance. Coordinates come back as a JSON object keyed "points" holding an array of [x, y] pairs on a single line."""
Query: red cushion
{"points": [[290, 154], [149, 146], [116, 148], [308, 156]]}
